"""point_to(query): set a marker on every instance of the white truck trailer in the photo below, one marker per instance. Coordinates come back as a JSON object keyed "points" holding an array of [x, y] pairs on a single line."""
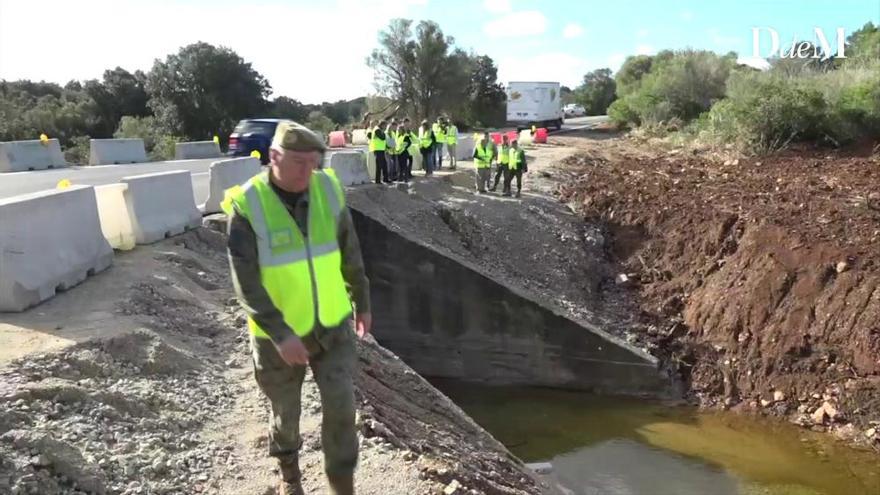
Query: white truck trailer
{"points": [[534, 103]]}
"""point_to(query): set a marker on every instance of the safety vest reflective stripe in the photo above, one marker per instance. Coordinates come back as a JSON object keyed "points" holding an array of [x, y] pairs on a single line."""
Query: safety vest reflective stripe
{"points": [[514, 161], [504, 155], [451, 135], [378, 144], [484, 156], [302, 276]]}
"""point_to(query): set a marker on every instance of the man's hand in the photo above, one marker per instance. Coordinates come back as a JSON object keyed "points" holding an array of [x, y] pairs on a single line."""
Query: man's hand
{"points": [[362, 324], [293, 352]]}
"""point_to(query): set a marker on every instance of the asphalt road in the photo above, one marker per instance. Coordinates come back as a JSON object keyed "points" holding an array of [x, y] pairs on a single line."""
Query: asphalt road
{"points": [[15, 183], [581, 123]]}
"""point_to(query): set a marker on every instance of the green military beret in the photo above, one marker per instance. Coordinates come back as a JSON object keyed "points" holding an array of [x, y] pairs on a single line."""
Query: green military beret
{"points": [[296, 137]]}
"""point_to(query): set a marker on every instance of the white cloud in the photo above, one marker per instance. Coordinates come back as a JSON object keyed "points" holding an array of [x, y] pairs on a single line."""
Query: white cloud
{"points": [[686, 15], [335, 69], [568, 69], [642, 33], [497, 6], [645, 50], [572, 30], [518, 24]]}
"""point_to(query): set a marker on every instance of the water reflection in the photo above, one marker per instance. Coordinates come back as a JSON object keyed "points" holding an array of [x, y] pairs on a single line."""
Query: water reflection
{"points": [[601, 445]]}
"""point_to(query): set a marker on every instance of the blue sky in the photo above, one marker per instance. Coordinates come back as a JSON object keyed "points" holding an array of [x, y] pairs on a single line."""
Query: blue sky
{"points": [[315, 51]]}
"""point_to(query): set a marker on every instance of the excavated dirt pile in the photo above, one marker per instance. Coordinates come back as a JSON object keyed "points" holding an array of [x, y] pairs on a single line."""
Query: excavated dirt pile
{"points": [[758, 278]]}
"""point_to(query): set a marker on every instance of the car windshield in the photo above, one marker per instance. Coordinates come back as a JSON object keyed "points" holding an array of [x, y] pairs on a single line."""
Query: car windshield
{"points": [[255, 127]]}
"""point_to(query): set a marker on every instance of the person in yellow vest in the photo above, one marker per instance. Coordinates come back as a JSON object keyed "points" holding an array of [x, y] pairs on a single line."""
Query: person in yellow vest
{"points": [[451, 143], [516, 164], [439, 143], [299, 275], [484, 152], [369, 129], [379, 145], [502, 157], [404, 160], [391, 150], [426, 147]]}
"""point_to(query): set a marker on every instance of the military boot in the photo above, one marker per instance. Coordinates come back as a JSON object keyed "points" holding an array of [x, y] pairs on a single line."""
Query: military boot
{"points": [[341, 485], [291, 477]]}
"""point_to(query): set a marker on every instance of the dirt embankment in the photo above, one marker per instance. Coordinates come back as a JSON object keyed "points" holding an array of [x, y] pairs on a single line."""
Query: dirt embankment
{"points": [[139, 381], [758, 278]]}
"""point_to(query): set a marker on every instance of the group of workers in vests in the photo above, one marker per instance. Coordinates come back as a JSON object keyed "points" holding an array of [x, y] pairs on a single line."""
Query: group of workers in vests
{"points": [[394, 144]]}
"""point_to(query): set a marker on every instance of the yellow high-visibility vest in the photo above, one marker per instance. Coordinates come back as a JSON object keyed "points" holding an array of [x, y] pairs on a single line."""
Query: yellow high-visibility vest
{"points": [[303, 277], [484, 156], [378, 144], [504, 154]]}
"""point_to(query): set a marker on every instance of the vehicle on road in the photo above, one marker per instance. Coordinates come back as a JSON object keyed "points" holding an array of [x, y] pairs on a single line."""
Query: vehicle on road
{"points": [[574, 110], [534, 103], [253, 134]]}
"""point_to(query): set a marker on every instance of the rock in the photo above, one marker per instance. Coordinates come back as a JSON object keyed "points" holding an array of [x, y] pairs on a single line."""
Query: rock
{"points": [[818, 416], [452, 487], [765, 402], [802, 408], [778, 396], [622, 279], [830, 410], [842, 266], [871, 432], [541, 467]]}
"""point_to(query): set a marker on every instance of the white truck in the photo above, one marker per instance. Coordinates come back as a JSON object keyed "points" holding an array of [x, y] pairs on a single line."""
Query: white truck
{"points": [[534, 103]]}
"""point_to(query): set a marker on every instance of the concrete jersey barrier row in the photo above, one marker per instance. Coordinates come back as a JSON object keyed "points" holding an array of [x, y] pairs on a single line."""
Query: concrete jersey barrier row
{"points": [[49, 240], [160, 205], [116, 151], [194, 150], [20, 156]]}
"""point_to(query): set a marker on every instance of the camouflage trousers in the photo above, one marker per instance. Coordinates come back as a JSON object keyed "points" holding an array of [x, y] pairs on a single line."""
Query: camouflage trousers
{"points": [[332, 357]]}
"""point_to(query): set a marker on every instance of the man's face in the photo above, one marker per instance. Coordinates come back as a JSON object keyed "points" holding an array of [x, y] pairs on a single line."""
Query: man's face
{"points": [[292, 170]]}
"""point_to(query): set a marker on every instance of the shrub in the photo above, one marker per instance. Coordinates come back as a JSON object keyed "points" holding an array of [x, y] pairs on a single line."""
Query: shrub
{"points": [[763, 112], [159, 146], [678, 86]]}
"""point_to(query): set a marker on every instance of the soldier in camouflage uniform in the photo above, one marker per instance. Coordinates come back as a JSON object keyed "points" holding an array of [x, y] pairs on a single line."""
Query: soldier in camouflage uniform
{"points": [[291, 326]]}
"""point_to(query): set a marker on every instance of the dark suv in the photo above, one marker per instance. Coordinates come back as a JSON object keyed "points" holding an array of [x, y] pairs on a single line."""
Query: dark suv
{"points": [[253, 134]]}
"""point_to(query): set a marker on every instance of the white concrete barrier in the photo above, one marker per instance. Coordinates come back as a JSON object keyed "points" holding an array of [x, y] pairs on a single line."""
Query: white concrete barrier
{"points": [[464, 149], [525, 138], [49, 240], [161, 205], [196, 149], [17, 156], [225, 174], [114, 215], [359, 137], [350, 167], [115, 151]]}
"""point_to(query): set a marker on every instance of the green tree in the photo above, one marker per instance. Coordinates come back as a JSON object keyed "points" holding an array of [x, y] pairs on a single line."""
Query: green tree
{"points": [[631, 72], [419, 67], [288, 108], [486, 97], [205, 90], [864, 45], [597, 91]]}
